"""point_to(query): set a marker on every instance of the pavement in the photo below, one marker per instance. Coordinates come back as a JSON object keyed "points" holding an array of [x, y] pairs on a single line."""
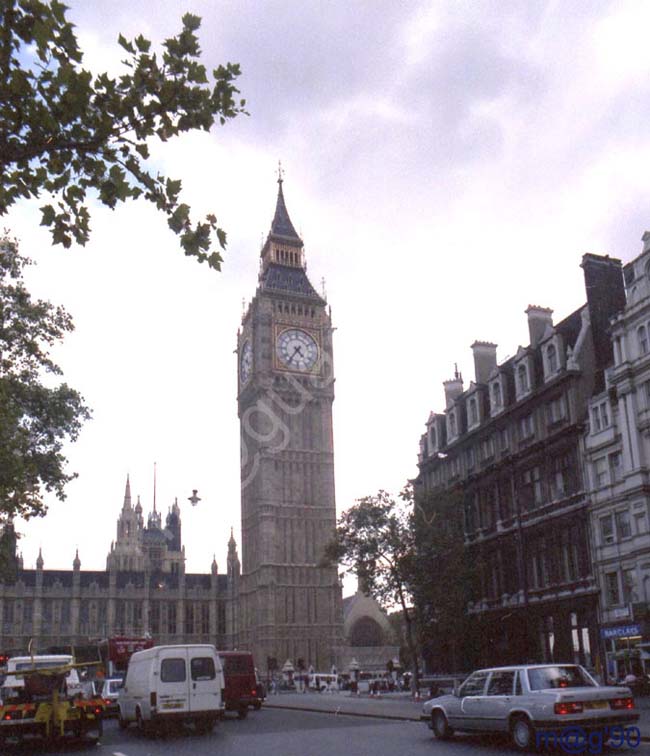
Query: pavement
{"points": [[389, 706]]}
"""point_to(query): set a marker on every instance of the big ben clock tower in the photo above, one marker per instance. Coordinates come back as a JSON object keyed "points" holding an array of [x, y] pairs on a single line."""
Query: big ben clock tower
{"points": [[290, 605]]}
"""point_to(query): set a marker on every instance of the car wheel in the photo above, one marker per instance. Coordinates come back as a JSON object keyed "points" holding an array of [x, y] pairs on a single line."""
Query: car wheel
{"points": [[243, 712], [522, 733], [440, 725]]}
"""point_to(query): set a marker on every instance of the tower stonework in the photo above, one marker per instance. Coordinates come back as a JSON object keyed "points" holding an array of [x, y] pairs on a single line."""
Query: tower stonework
{"points": [[290, 606]]}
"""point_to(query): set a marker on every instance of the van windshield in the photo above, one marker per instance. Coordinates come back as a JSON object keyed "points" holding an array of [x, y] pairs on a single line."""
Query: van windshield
{"points": [[202, 668], [172, 670]]}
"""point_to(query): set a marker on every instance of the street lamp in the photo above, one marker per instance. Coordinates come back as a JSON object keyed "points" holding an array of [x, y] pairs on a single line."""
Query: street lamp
{"points": [[194, 499]]}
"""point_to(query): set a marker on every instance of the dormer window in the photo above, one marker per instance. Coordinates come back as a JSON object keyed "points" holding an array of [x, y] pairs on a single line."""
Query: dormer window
{"points": [[642, 337], [473, 412], [453, 431], [551, 358], [523, 385], [432, 439]]}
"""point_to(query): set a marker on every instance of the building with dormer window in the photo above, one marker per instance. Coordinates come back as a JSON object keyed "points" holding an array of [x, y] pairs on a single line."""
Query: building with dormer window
{"points": [[519, 470], [617, 455]]}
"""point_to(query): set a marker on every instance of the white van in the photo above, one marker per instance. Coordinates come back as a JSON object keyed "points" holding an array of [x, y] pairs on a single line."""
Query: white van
{"points": [[173, 684]]}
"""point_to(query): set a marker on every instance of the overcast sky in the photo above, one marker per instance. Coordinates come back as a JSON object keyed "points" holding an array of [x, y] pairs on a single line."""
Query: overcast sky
{"points": [[446, 164]]}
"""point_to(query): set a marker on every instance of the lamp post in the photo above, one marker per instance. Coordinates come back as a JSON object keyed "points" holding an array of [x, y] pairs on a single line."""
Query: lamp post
{"points": [[354, 676]]}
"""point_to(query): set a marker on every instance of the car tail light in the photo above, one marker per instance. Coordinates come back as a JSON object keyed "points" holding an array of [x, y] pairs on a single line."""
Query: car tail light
{"points": [[568, 707], [153, 698], [98, 709], [253, 692], [622, 703]]}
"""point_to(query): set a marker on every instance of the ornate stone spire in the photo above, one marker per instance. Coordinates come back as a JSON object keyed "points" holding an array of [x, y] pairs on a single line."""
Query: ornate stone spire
{"points": [[77, 562], [39, 560], [214, 568], [127, 494]]}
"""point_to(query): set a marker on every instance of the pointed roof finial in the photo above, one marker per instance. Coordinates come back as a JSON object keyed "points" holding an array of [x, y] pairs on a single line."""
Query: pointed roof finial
{"points": [[77, 562], [39, 559], [127, 494], [281, 224], [154, 487]]}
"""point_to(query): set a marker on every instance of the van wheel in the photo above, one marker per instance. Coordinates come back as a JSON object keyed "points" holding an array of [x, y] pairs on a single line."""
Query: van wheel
{"points": [[205, 726], [242, 713], [143, 727]]}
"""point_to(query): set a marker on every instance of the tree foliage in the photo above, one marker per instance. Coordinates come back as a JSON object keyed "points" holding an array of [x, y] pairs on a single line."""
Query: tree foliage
{"points": [[67, 133], [444, 574], [409, 552], [375, 541], [37, 414]]}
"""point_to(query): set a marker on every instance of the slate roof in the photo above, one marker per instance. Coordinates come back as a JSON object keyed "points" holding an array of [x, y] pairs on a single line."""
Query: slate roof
{"points": [[286, 279], [281, 225]]}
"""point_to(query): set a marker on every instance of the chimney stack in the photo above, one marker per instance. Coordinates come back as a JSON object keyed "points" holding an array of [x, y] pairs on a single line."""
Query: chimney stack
{"points": [[453, 388], [485, 360], [539, 318]]}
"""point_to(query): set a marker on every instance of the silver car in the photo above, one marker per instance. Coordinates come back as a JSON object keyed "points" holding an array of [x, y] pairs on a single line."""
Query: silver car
{"points": [[536, 703]]}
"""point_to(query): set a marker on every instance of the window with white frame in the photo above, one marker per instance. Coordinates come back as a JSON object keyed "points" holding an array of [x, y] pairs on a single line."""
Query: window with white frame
{"points": [[646, 394], [526, 427], [487, 448], [522, 379], [640, 522], [551, 359], [503, 439], [470, 458], [432, 438], [601, 473], [642, 340], [473, 411], [556, 410], [497, 396], [623, 526], [452, 425], [612, 592], [599, 417], [629, 586], [615, 466], [607, 536]]}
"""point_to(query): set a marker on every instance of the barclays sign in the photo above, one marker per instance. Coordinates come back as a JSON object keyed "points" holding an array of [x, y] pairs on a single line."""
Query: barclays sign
{"points": [[621, 631]]}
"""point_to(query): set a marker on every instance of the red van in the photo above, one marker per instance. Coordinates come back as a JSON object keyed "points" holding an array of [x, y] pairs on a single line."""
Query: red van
{"points": [[239, 679]]}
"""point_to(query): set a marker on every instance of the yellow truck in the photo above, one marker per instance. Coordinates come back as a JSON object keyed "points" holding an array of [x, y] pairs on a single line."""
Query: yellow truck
{"points": [[43, 696]]}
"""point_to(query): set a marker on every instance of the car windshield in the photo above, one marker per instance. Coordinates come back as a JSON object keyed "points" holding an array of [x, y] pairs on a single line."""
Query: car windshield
{"points": [[543, 678]]}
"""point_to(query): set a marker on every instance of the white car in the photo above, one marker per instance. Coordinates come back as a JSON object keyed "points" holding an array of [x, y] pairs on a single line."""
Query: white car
{"points": [[536, 704]]}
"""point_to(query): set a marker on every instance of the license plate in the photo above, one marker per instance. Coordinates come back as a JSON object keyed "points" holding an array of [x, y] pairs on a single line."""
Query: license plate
{"points": [[172, 706], [596, 705]]}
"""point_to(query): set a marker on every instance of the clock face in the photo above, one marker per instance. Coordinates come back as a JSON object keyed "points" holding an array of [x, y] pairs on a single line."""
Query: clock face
{"points": [[297, 349], [245, 362]]}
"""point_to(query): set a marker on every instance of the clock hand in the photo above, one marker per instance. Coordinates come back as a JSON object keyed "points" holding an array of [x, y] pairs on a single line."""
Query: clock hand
{"points": [[295, 349]]}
